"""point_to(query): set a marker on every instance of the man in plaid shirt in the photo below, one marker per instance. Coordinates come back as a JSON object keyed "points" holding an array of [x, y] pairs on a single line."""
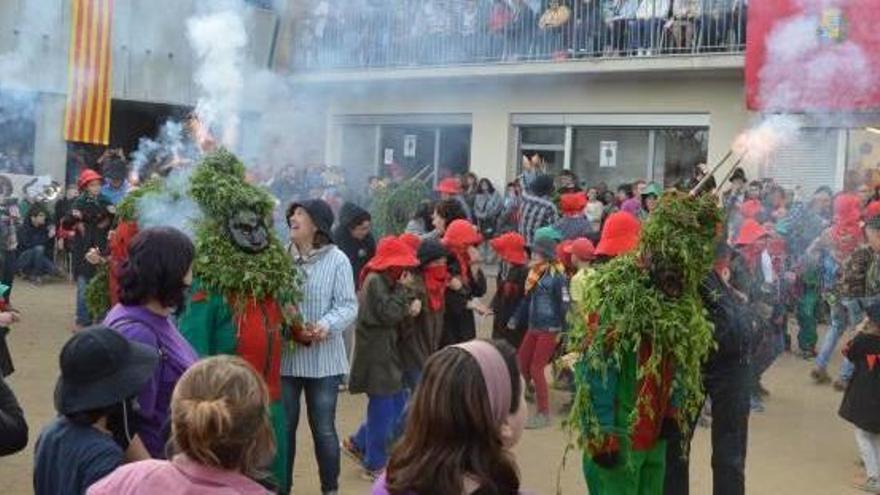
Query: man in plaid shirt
{"points": [[537, 210]]}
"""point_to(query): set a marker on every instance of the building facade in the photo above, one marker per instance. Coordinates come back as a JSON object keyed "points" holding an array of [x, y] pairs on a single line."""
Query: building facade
{"points": [[615, 90]]}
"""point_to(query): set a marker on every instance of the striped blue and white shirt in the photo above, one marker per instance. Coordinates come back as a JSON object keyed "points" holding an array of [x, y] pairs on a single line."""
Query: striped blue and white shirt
{"points": [[328, 299]]}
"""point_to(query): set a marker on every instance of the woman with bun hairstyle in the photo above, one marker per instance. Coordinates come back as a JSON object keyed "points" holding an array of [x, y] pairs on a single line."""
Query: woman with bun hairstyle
{"points": [[220, 431], [465, 449]]}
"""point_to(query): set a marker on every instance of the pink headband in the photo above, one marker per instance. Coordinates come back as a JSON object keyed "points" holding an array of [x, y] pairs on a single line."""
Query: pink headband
{"points": [[495, 374]]}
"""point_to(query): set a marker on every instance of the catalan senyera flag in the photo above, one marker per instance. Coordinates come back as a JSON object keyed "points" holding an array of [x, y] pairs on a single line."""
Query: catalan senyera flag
{"points": [[87, 118]]}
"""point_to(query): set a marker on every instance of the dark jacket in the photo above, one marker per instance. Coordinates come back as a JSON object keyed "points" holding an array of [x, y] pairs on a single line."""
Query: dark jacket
{"points": [[545, 306], [861, 402], [91, 229], [376, 368], [458, 320], [358, 251], [419, 337], [731, 326], [30, 236], [13, 428], [510, 283]]}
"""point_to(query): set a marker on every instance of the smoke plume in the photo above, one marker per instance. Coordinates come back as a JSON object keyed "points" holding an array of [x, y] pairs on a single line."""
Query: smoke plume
{"points": [[219, 39]]}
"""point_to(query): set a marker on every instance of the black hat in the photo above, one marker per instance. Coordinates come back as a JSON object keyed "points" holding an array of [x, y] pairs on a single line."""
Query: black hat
{"points": [[738, 174], [542, 185], [430, 250], [320, 213], [99, 368]]}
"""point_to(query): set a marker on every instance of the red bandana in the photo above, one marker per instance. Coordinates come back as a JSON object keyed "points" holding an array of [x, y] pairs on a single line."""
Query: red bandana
{"points": [[436, 278]]}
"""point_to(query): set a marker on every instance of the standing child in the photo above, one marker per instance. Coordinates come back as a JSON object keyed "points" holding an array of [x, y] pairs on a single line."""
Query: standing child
{"points": [[420, 335], [376, 369], [510, 283], [574, 222], [101, 374], [861, 401], [466, 282], [91, 218], [544, 308]]}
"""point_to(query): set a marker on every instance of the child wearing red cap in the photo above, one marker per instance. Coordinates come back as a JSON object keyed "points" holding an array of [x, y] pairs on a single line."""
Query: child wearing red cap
{"points": [[91, 218], [574, 222], [510, 282], [386, 302], [466, 283]]}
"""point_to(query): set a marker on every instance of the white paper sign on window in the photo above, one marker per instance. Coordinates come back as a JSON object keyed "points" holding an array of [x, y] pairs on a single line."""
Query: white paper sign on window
{"points": [[607, 154], [389, 156], [409, 146]]}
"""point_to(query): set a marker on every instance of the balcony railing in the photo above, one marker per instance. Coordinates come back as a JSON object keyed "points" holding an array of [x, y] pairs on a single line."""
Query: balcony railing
{"points": [[354, 34]]}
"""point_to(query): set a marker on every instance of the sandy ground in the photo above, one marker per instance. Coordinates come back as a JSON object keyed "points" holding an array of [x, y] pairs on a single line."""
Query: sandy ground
{"points": [[798, 446]]}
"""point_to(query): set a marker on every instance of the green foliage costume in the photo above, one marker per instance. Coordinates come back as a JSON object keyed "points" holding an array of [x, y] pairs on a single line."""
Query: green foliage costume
{"points": [[643, 335], [243, 278]]}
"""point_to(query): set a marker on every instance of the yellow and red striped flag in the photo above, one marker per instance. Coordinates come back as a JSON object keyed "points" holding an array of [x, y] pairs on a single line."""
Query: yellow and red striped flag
{"points": [[87, 118]]}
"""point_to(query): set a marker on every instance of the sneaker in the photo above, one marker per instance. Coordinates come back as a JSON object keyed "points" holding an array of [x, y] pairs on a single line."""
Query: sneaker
{"points": [[350, 449], [871, 485], [840, 384], [820, 376], [537, 422]]}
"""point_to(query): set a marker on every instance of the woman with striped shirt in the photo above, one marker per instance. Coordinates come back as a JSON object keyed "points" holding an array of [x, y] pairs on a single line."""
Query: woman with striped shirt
{"points": [[329, 306]]}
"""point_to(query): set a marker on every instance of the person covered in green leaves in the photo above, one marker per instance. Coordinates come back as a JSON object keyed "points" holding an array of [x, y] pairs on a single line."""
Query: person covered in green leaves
{"points": [[243, 283], [643, 338]]}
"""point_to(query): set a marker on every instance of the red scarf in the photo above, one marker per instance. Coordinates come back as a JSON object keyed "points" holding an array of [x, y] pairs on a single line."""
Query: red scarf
{"points": [[436, 278], [464, 262]]}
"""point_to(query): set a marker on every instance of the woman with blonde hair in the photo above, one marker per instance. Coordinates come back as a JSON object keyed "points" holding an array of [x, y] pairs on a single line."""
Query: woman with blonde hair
{"points": [[220, 431]]}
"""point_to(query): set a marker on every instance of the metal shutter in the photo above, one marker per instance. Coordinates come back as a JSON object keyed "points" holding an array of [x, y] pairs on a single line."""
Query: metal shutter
{"points": [[809, 162]]}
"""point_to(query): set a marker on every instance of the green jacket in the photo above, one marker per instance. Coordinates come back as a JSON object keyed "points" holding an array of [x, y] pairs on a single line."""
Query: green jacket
{"points": [[377, 369]]}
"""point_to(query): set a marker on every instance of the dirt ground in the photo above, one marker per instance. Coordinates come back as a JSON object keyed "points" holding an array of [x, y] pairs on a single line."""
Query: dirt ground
{"points": [[798, 446]]}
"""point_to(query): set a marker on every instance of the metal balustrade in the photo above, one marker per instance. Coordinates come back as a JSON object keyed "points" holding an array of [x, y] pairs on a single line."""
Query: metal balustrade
{"points": [[354, 34]]}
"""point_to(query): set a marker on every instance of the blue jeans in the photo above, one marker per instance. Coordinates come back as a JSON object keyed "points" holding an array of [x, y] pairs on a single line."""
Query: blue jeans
{"points": [[321, 396], [844, 314], [375, 434], [33, 262], [83, 318]]}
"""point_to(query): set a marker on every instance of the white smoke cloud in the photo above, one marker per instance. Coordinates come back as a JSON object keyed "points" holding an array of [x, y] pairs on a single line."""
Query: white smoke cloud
{"points": [[800, 67], [172, 207], [219, 39]]}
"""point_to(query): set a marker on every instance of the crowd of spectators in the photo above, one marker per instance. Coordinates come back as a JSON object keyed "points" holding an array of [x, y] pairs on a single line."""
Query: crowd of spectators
{"points": [[440, 32]]}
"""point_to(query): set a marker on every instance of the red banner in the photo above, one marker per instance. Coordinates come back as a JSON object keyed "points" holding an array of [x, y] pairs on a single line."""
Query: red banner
{"points": [[87, 118], [813, 55]]}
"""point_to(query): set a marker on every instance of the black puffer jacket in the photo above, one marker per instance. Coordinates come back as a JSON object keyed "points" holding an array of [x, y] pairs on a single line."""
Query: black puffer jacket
{"points": [[359, 251], [731, 324]]}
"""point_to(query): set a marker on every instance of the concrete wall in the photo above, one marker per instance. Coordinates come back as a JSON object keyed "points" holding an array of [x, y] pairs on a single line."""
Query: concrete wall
{"points": [[152, 60], [491, 103]]}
